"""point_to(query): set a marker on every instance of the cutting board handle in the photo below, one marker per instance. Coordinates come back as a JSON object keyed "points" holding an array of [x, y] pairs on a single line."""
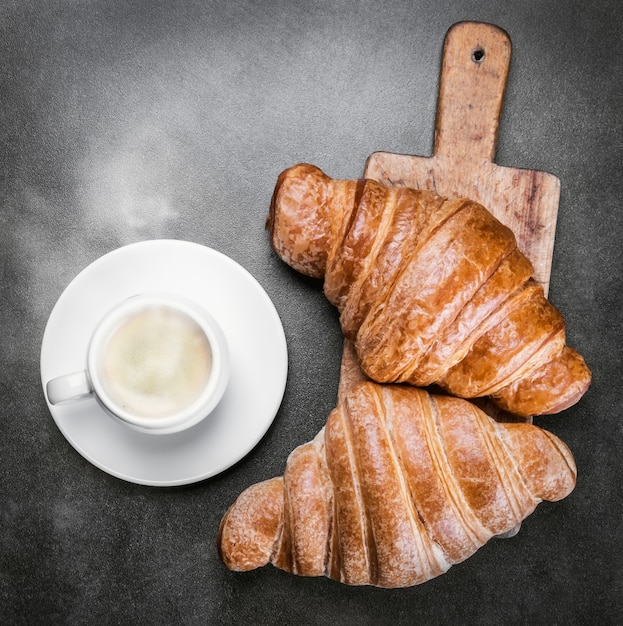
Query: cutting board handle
{"points": [[476, 59]]}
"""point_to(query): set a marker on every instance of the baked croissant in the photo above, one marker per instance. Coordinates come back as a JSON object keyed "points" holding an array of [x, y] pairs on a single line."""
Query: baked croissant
{"points": [[398, 486], [430, 290]]}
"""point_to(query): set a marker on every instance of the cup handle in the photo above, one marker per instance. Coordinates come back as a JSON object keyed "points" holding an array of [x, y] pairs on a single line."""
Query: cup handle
{"points": [[69, 388]]}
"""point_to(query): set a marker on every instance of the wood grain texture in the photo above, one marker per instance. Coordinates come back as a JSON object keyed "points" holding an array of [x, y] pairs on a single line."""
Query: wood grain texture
{"points": [[474, 73]]}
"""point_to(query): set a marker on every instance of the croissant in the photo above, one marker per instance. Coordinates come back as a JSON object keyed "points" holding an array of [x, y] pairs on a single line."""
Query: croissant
{"points": [[397, 487], [430, 290]]}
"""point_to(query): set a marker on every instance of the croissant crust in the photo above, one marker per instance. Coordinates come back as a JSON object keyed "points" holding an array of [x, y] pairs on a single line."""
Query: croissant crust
{"points": [[429, 289], [397, 487]]}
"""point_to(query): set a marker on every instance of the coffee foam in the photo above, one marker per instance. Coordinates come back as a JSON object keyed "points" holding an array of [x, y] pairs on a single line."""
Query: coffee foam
{"points": [[156, 362]]}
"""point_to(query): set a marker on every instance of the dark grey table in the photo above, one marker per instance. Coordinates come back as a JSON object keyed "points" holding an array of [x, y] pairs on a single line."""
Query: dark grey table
{"points": [[127, 121]]}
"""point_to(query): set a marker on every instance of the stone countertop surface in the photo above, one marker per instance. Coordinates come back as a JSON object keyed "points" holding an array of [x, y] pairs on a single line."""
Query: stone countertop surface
{"points": [[130, 121]]}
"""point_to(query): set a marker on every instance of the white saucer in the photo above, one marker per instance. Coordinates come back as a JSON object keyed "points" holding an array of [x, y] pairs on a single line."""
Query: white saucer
{"points": [[258, 353]]}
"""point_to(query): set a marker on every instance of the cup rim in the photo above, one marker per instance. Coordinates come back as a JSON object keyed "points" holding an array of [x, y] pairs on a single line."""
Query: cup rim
{"points": [[202, 406]]}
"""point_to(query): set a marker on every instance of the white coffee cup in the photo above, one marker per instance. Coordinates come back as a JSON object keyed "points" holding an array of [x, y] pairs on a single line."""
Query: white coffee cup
{"points": [[157, 363]]}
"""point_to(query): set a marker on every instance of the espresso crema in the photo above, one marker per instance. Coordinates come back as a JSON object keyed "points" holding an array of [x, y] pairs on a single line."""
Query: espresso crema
{"points": [[156, 363]]}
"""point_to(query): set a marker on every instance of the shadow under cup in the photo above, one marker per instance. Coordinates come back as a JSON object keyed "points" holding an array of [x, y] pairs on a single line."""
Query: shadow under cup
{"points": [[157, 363]]}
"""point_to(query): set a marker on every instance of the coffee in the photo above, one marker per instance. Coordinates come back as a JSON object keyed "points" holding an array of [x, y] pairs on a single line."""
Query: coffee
{"points": [[156, 362]]}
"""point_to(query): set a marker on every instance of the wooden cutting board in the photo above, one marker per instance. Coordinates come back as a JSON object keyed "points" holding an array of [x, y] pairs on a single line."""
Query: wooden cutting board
{"points": [[474, 72]]}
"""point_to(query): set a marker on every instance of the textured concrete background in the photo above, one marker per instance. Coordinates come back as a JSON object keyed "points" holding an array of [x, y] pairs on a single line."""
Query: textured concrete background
{"points": [[125, 121]]}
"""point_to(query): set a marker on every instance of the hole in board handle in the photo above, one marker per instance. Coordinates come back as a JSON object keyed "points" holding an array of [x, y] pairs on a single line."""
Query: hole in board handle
{"points": [[478, 55]]}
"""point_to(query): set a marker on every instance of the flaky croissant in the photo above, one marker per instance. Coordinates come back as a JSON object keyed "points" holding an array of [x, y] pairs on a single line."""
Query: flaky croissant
{"points": [[398, 486], [430, 290]]}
